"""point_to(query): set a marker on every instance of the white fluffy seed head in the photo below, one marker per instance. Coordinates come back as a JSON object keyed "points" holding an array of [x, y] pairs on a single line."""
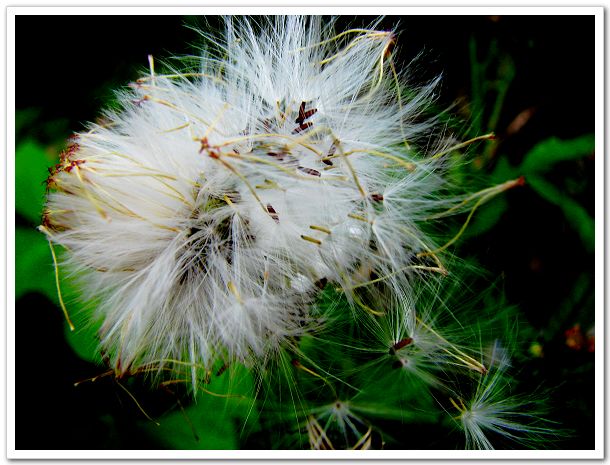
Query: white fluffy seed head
{"points": [[205, 213]]}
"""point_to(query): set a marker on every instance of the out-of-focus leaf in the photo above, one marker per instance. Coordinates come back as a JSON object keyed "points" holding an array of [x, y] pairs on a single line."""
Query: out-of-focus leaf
{"points": [[34, 270], [238, 382], [490, 213], [84, 339], [575, 213], [487, 216], [31, 163], [506, 74], [553, 150], [503, 171], [209, 430], [539, 159], [210, 422]]}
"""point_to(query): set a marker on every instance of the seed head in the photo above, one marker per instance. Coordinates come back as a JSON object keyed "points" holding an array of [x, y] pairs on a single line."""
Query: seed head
{"points": [[205, 213]]}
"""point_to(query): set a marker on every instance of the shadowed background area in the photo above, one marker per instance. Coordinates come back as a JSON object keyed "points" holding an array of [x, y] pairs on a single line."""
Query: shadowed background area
{"points": [[529, 79]]}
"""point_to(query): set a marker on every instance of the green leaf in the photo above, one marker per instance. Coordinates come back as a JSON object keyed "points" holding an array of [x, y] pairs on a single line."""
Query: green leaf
{"points": [[487, 216], [506, 74], [198, 427], [34, 270], [238, 383], [550, 151], [84, 339], [490, 213], [503, 171], [31, 163], [215, 420], [576, 215]]}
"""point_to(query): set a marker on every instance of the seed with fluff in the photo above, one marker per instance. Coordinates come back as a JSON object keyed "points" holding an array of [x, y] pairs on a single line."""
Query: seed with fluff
{"points": [[206, 212]]}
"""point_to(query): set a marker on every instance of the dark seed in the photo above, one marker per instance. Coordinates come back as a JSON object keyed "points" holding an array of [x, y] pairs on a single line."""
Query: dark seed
{"points": [[302, 127], [272, 213], [400, 344], [309, 171]]}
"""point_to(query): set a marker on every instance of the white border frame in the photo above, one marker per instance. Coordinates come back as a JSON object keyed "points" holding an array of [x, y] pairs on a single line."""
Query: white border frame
{"points": [[598, 12]]}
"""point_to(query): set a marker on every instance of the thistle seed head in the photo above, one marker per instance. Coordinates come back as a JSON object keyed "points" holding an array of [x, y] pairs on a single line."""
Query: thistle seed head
{"points": [[206, 211]]}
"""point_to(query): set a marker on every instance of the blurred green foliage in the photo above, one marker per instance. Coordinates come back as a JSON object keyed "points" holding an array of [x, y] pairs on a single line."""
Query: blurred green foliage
{"points": [[221, 412], [540, 160]]}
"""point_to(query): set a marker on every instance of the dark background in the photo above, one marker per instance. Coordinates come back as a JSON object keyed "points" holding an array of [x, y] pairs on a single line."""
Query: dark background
{"points": [[67, 66]]}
